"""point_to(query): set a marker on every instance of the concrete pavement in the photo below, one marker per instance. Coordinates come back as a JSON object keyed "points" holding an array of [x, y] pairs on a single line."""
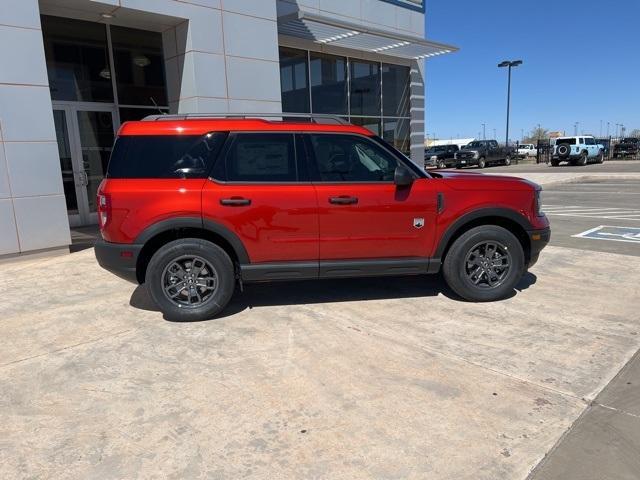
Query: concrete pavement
{"points": [[367, 378]]}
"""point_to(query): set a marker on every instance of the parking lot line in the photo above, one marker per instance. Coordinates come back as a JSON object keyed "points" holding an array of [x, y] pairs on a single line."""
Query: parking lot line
{"points": [[609, 213], [615, 234]]}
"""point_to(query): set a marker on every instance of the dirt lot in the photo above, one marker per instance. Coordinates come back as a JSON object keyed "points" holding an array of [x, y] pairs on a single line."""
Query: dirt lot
{"points": [[367, 378]]}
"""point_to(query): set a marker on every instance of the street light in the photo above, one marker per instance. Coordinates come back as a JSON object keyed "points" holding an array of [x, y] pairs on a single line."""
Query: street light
{"points": [[484, 131], [510, 64], [575, 128]]}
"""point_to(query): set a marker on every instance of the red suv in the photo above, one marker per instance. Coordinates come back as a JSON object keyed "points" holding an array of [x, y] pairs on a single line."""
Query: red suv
{"points": [[191, 206]]}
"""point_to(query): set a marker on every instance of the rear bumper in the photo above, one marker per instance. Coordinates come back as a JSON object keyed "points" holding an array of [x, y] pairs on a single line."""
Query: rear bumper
{"points": [[538, 240], [118, 258]]}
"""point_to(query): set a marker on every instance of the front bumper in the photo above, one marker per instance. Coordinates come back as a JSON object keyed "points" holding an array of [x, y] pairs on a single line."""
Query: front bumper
{"points": [[118, 258], [465, 162], [538, 239]]}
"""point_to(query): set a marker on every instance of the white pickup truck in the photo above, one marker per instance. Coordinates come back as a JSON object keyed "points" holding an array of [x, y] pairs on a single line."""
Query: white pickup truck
{"points": [[527, 150]]}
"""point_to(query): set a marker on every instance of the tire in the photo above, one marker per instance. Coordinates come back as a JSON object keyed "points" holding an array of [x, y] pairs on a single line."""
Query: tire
{"points": [[482, 163], [563, 150], [583, 160], [601, 157], [442, 164], [212, 263], [507, 161], [458, 267]]}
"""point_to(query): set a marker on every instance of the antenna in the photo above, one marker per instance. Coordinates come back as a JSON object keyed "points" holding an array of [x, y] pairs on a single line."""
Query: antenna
{"points": [[156, 105]]}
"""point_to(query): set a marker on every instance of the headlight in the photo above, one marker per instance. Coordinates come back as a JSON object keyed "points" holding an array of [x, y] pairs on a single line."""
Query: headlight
{"points": [[434, 158], [539, 211]]}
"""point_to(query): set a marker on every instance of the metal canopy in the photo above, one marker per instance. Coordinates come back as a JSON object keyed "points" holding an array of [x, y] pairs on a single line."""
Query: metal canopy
{"points": [[329, 31]]}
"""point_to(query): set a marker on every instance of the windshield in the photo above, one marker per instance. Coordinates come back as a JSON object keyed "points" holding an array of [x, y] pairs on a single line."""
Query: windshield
{"points": [[474, 145], [437, 149], [568, 141]]}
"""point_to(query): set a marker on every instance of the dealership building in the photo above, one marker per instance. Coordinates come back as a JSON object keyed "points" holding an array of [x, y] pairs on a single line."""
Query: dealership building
{"points": [[72, 71]]}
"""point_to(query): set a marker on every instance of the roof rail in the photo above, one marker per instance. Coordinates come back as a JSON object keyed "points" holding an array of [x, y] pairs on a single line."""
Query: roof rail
{"points": [[312, 117]]}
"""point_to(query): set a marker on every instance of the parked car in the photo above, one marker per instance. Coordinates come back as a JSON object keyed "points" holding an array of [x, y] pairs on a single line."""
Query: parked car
{"points": [[440, 156], [192, 207], [606, 144], [628, 147], [483, 153], [577, 151], [527, 150]]}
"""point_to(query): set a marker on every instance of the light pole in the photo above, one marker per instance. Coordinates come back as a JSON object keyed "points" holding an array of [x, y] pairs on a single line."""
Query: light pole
{"points": [[617, 125], [600, 128], [608, 125], [510, 64], [484, 131], [575, 128]]}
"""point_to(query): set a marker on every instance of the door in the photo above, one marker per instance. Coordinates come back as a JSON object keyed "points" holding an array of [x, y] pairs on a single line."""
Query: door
{"points": [[85, 135], [362, 213], [261, 192]]}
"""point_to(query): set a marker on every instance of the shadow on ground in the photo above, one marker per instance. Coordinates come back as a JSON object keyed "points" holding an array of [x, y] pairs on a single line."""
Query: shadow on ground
{"points": [[330, 291]]}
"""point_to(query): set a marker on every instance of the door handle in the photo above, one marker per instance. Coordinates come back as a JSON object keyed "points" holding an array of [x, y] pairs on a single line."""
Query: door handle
{"points": [[235, 202], [343, 200]]}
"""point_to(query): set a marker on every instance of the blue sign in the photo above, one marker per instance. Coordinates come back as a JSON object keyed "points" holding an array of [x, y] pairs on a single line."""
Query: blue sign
{"points": [[616, 234]]}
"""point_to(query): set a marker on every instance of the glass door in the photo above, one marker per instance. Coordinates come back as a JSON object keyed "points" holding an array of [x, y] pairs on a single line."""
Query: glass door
{"points": [[85, 136], [71, 180]]}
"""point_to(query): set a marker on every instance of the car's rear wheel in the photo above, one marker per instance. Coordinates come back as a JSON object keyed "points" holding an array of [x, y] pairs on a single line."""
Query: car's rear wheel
{"points": [[190, 279], [484, 264], [583, 160], [482, 163]]}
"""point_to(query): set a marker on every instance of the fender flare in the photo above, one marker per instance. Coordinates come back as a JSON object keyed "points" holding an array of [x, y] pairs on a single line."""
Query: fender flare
{"points": [[195, 222], [475, 215]]}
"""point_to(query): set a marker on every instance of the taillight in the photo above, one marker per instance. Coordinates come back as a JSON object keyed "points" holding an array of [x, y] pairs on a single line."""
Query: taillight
{"points": [[104, 209]]}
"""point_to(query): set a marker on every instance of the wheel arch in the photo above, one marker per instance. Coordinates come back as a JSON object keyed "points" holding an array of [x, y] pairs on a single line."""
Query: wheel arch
{"points": [[163, 232], [502, 217]]}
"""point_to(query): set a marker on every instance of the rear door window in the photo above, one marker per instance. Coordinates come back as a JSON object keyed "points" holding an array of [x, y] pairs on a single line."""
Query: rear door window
{"points": [[261, 158], [164, 156]]}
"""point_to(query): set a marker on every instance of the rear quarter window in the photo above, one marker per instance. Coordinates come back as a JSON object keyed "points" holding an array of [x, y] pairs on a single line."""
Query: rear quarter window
{"points": [[160, 156]]}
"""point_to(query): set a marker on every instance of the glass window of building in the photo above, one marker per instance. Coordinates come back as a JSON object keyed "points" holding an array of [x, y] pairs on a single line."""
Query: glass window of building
{"points": [[396, 131], [365, 88], [372, 124], [294, 85], [329, 84], [77, 60], [395, 90], [139, 65]]}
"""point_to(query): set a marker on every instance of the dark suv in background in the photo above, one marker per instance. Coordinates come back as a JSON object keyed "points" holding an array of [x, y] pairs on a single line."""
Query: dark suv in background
{"points": [[482, 153], [440, 156], [628, 147]]}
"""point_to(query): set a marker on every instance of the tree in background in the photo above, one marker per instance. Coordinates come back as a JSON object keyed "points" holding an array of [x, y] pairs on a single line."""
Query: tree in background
{"points": [[536, 134]]}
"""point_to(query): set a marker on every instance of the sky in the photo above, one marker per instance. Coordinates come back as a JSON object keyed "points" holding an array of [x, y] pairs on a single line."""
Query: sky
{"points": [[581, 64]]}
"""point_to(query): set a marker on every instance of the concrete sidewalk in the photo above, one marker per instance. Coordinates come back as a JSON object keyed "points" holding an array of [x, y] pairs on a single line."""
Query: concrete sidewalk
{"points": [[368, 378]]}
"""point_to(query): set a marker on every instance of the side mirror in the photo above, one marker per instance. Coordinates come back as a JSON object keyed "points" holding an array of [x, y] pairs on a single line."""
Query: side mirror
{"points": [[402, 177]]}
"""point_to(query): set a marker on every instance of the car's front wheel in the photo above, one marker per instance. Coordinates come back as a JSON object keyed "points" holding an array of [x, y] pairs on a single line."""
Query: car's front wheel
{"points": [[442, 164], [484, 264], [507, 161], [601, 157], [190, 279], [482, 163]]}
